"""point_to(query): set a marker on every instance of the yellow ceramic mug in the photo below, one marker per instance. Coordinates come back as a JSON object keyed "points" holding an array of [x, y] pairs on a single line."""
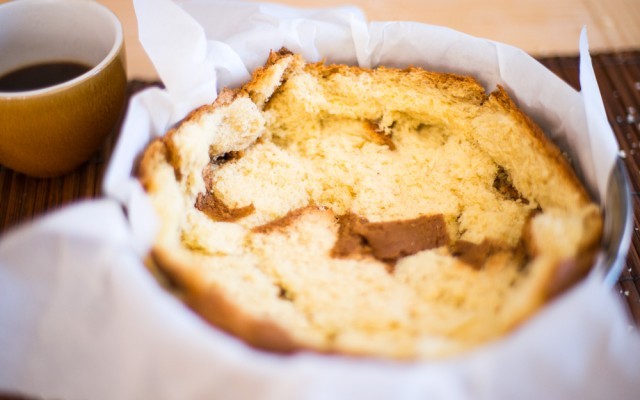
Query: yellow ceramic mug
{"points": [[48, 131]]}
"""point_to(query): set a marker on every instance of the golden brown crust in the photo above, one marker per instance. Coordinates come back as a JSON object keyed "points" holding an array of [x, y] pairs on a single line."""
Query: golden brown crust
{"points": [[211, 304], [155, 153], [221, 311], [256, 85], [500, 98], [569, 272]]}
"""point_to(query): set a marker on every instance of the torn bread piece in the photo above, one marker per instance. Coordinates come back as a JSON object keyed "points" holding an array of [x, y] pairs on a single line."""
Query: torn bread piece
{"points": [[374, 212]]}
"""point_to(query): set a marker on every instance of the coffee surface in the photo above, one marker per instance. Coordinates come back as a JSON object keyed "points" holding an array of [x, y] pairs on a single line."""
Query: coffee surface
{"points": [[39, 76]]}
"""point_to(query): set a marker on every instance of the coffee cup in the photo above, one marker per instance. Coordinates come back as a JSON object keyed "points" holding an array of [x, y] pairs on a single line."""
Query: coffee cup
{"points": [[62, 83]]}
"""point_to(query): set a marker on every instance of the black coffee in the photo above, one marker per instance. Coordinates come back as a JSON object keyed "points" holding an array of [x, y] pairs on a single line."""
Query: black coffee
{"points": [[40, 76]]}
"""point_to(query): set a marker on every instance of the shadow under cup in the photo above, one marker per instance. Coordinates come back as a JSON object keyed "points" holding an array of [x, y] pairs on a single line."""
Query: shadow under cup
{"points": [[50, 131]]}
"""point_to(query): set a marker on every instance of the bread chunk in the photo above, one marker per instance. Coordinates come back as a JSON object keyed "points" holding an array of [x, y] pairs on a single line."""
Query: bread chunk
{"points": [[379, 212]]}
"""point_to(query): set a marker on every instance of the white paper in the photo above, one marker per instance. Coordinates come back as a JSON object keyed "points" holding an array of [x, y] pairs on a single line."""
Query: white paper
{"points": [[83, 319], [605, 151], [80, 317]]}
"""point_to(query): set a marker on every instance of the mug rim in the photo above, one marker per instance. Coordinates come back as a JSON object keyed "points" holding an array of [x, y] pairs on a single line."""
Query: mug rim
{"points": [[106, 60]]}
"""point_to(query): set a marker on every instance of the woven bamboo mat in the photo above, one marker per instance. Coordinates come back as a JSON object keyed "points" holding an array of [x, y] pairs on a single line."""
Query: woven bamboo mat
{"points": [[23, 198]]}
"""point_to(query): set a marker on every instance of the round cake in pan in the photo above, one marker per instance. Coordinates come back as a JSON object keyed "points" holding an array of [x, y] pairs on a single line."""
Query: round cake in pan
{"points": [[381, 212]]}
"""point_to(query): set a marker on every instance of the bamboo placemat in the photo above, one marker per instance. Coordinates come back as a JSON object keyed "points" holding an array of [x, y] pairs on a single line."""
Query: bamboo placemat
{"points": [[23, 198]]}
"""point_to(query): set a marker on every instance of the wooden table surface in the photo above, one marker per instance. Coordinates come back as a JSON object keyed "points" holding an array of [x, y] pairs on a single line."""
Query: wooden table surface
{"points": [[540, 27], [547, 29]]}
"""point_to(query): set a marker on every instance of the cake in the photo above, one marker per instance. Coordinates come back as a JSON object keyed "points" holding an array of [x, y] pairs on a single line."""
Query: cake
{"points": [[394, 213]]}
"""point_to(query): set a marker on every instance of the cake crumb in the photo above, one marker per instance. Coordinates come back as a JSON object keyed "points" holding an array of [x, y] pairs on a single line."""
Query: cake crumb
{"points": [[235, 240]]}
